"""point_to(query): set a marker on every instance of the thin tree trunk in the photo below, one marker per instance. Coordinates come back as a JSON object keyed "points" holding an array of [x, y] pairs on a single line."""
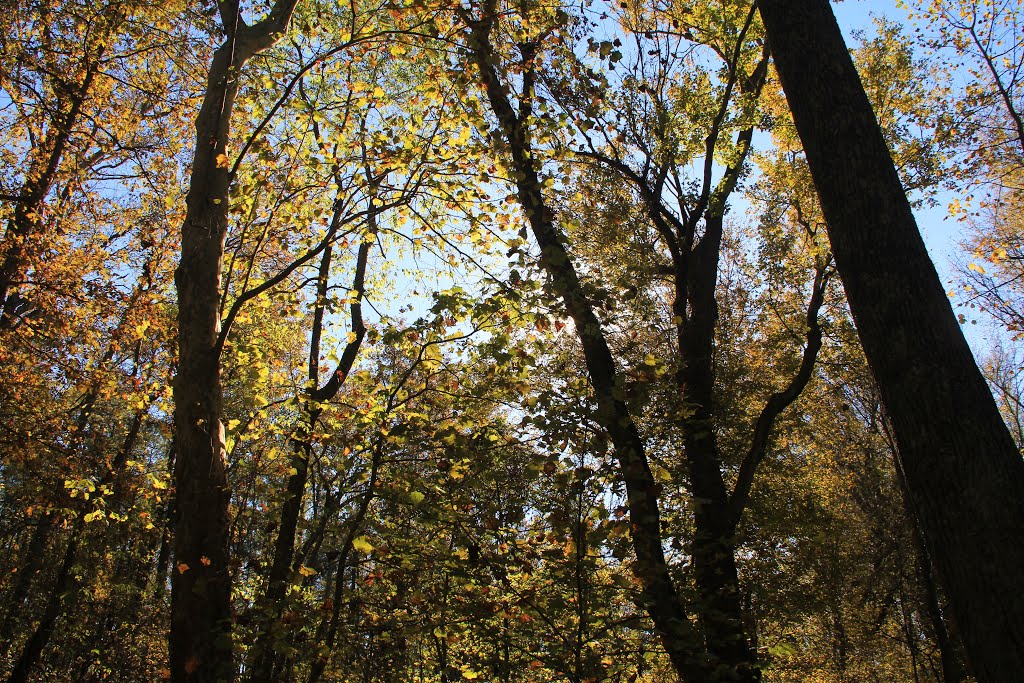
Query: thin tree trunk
{"points": [[34, 556], [63, 586], [952, 668], [37, 545], [62, 593], [284, 546], [163, 553], [964, 473], [659, 596], [327, 632], [26, 221]]}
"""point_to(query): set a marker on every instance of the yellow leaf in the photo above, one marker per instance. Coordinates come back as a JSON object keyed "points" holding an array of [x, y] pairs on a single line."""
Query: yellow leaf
{"points": [[361, 545], [306, 571], [222, 161]]}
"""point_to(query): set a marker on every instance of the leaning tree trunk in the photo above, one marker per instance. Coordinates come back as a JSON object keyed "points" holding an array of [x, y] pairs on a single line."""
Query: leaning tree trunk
{"points": [[659, 595], [26, 223], [964, 473]]}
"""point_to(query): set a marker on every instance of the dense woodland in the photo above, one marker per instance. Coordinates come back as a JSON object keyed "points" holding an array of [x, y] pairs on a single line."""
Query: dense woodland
{"points": [[393, 341]]}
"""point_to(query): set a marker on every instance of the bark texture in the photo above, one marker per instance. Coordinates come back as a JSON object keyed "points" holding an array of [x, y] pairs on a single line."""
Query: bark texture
{"points": [[964, 474], [200, 638]]}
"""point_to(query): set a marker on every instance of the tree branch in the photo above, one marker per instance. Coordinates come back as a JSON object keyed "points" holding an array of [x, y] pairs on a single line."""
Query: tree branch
{"points": [[781, 400]]}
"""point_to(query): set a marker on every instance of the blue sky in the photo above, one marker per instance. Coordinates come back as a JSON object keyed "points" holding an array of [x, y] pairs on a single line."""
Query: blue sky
{"points": [[941, 233]]}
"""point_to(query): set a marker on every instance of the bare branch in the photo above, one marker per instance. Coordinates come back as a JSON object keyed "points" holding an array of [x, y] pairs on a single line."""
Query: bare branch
{"points": [[781, 400]]}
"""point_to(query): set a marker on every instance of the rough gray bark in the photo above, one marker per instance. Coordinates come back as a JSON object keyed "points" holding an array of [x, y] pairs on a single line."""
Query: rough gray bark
{"points": [[964, 474]]}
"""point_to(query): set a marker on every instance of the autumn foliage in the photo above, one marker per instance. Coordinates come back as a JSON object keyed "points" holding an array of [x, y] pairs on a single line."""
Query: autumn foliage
{"points": [[497, 341]]}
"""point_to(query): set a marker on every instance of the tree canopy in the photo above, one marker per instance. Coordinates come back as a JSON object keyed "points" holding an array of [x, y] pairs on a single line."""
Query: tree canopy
{"points": [[507, 341]]}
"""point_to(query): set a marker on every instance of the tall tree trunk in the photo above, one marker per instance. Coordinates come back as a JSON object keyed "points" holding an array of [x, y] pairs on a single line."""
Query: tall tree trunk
{"points": [[964, 473], [200, 637], [659, 595], [714, 553]]}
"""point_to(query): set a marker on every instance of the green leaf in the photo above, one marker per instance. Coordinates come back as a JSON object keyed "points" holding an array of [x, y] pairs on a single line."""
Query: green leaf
{"points": [[362, 545]]}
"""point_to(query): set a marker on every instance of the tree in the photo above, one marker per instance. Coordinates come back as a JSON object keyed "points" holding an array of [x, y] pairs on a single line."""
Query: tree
{"points": [[714, 644], [505, 385], [200, 639], [963, 471], [982, 119]]}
